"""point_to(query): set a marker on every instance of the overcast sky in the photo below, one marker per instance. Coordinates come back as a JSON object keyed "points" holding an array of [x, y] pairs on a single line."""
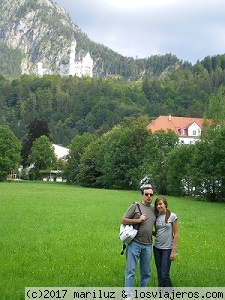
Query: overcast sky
{"points": [[189, 29]]}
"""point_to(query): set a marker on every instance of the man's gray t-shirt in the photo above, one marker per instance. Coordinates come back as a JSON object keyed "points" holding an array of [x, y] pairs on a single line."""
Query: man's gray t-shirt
{"points": [[144, 235], [164, 232]]}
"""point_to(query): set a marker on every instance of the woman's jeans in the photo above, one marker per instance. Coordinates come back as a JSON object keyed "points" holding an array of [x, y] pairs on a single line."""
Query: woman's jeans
{"points": [[163, 262], [134, 252]]}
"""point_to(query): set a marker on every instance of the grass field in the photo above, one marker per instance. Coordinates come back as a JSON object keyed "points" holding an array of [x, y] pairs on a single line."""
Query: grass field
{"points": [[54, 235]]}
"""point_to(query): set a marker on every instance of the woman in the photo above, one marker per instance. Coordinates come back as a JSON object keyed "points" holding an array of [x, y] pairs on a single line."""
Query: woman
{"points": [[166, 240]]}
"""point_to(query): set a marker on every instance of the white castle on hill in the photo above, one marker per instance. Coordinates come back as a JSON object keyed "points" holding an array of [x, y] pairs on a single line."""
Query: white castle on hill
{"points": [[80, 64]]}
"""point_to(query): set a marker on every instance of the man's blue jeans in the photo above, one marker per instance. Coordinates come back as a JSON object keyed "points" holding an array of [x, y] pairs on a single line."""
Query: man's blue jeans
{"points": [[163, 263], [135, 252]]}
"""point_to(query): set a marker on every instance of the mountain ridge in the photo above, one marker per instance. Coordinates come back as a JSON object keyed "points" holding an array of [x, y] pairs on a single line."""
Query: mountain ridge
{"points": [[43, 31]]}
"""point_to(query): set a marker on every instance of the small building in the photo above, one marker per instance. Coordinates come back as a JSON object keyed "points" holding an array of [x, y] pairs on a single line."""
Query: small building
{"points": [[60, 152], [188, 129]]}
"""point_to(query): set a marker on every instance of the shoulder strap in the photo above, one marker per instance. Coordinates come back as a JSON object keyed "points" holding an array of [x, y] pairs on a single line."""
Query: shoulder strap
{"points": [[124, 246], [139, 207], [123, 249]]}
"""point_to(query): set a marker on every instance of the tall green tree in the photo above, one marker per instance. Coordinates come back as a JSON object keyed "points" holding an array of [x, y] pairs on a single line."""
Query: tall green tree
{"points": [[208, 165], [123, 151], [10, 148], [209, 157], [160, 144], [178, 170], [89, 169], [77, 149], [42, 156], [115, 160]]}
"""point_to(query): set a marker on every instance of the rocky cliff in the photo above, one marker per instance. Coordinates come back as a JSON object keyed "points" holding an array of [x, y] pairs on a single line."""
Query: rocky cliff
{"points": [[41, 29]]}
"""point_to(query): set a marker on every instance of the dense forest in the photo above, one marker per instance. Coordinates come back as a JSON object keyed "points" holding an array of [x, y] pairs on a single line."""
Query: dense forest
{"points": [[10, 61], [73, 106]]}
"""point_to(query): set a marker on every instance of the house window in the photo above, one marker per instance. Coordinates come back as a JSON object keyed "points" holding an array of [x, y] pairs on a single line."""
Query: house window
{"points": [[182, 132], [194, 132]]}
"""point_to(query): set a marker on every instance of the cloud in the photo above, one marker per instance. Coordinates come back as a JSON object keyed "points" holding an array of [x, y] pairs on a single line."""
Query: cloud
{"points": [[189, 29]]}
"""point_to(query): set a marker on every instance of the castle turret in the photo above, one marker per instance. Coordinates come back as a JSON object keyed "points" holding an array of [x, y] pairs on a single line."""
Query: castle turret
{"points": [[72, 58]]}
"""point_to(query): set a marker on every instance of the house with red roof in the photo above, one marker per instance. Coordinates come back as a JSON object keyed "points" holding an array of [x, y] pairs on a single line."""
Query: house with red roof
{"points": [[188, 129]]}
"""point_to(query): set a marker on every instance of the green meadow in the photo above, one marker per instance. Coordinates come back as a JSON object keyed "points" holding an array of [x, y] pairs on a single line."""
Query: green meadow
{"points": [[58, 235]]}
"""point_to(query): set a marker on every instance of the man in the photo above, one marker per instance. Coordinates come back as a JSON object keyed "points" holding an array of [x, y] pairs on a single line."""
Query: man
{"points": [[140, 248]]}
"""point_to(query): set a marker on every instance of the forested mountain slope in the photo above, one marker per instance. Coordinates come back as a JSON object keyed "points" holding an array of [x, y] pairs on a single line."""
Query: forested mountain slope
{"points": [[40, 30], [73, 105]]}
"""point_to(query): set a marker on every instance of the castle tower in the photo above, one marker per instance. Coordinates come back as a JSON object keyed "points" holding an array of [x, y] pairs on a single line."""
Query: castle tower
{"points": [[40, 70], [72, 58]]}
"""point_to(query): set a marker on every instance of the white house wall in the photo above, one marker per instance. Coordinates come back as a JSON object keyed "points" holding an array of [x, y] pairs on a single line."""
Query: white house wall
{"points": [[192, 128]]}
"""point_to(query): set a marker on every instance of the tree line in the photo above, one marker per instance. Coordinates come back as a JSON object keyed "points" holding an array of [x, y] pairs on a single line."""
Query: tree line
{"points": [[126, 155]]}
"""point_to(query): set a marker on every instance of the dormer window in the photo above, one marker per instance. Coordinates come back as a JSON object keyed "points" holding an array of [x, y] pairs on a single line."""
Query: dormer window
{"points": [[182, 132]]}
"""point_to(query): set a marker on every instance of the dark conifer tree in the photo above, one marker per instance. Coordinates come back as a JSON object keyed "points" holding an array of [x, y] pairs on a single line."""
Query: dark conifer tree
{"points": [[37, 128]]}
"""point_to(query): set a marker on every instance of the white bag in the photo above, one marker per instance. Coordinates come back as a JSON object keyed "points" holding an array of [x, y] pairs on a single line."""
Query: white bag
{"points": [[127, 233]]}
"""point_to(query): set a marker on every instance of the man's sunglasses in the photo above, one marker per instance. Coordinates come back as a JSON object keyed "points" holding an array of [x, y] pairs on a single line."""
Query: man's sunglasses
{"points": [[149, 195]]}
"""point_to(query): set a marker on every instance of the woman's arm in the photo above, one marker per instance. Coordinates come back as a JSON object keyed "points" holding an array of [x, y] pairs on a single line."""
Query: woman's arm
{"points": [[154, 231], [175, 239]]}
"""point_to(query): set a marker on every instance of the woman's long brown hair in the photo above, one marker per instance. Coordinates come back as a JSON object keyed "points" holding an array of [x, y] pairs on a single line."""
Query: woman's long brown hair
{"points": [[168, 212]]}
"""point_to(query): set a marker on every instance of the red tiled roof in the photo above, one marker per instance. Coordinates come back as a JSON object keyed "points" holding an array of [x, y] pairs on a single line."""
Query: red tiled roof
{"points": [[173, 123]]}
